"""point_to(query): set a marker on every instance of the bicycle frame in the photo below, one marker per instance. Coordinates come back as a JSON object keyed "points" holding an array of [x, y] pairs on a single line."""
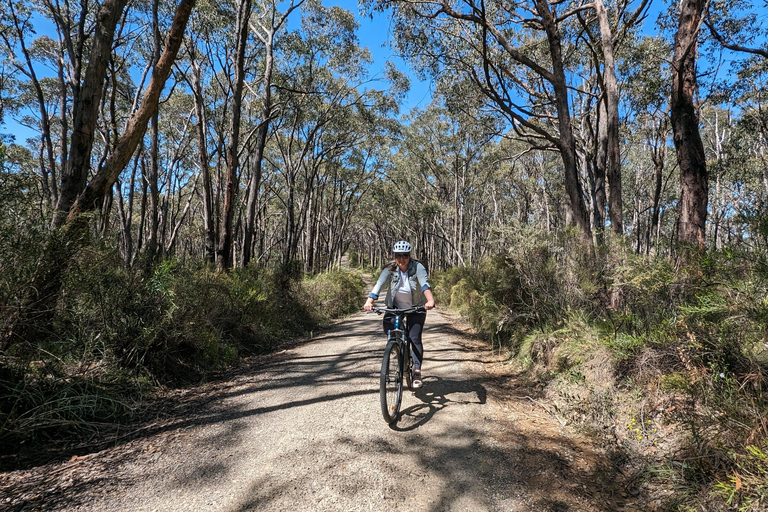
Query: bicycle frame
{"points": [[398, 346], [404, 342]]}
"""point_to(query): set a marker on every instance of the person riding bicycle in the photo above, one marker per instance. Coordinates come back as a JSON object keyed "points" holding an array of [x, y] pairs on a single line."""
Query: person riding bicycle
{"points": [[407, 285]]}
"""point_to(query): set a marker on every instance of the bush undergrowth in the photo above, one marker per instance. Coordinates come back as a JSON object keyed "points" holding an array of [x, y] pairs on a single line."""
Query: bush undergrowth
{"points": [[119, 333], [665, 361]]}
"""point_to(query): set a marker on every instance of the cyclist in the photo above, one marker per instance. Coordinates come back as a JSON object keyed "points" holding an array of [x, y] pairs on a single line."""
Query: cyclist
{"points": [[407, 285]]}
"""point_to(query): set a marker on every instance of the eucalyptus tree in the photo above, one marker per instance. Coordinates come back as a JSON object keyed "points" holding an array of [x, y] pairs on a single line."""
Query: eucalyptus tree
{"points": [[342, 185], [738, 34], [226, 240], [738, 26], [646, 92], [205, 66], [694, 179], [151, 179], [515, 53], [592, 136], [266, 25], [742, 167], [442, 148], [751, 138], [82, 79], [322, 87], [136, 125], [614, 28], [370, 130], [717, 126], [85, 108], [17, 24], [651, 193], [78, 194], [87, 96]]}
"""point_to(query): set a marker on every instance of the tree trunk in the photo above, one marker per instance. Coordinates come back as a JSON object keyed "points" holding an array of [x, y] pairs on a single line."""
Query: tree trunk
{"points": [[613, 157], [47, 163], [657, 156], [86, 109], [685, 126], [261, 142], [205, 167], [137, 124], [594, 164], [142, 207], [233, 161], [573, 190], [151, 178], [151, 248]]}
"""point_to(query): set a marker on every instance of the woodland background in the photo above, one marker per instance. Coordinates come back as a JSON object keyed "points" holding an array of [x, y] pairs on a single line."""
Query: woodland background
{"points": [[588, 186]]}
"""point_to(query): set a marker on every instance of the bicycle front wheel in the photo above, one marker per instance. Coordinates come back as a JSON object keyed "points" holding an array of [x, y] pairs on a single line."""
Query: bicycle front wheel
{"points": [[391, 382]]}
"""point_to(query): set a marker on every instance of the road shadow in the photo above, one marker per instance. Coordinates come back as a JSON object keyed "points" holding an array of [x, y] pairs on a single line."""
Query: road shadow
{"points": [[511, 463], [436, 395], [537, 473]]}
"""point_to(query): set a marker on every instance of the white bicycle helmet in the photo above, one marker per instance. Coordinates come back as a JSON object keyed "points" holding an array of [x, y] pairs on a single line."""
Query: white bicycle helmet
{"points": [[401, 246]]}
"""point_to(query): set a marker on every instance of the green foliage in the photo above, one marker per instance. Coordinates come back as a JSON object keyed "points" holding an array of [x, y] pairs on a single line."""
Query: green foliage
{"points": [[118, 330], [599, 329], [747, 488], [625, 345], [334, 294], [22, 235], [537, 283], [674, 382], [562, 348], [700, 327], [35, 407]]}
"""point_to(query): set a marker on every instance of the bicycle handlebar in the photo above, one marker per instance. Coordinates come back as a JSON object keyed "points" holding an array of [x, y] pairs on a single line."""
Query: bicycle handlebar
{"points": [[413, 309]]}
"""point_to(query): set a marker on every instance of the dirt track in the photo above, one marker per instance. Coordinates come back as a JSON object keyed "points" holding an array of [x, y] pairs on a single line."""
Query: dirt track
{"points": [[302, 430]]}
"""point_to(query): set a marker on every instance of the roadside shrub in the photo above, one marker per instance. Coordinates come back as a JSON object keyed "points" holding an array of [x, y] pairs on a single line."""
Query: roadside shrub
{"points": [[697, 329], [37, 408], [538, 282], [334, 294], [117, 332], [23, 236], [683, 341]]}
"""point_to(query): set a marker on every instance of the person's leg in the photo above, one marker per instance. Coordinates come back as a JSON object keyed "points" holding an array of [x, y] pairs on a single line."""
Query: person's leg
{"points": [[389, 322], [415, 328]]}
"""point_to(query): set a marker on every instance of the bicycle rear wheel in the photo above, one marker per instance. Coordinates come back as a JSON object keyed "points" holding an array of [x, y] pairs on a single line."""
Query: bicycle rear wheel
{"points": [[391, 392]]}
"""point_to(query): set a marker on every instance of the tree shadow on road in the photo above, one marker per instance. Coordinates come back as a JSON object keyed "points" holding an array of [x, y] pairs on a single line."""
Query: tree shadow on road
{"points": [[492, 467], [466, 469]]}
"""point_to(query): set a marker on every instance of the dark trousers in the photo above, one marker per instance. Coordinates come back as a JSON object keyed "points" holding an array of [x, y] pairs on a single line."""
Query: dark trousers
{"points": [[414, 325]]}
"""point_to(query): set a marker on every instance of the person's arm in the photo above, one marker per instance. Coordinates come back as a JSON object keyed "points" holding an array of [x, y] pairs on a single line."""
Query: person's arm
{"points": [[423, 279], [368, 306], [430, 299]]}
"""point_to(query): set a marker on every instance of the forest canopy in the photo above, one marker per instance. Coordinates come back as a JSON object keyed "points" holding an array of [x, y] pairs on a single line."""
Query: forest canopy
{"points": [[268, 140]]}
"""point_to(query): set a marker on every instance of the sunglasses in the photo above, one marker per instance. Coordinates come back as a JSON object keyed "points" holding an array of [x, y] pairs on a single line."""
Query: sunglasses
{"points": [[402, 255]]}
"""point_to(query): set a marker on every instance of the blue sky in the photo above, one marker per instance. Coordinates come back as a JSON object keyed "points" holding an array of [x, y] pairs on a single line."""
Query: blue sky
{"points": [[373, 34], [376, 36]]}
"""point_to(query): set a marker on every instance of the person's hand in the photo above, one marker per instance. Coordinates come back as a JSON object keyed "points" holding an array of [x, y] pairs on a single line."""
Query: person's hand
{"points": [[368, 304], [429, 305]]}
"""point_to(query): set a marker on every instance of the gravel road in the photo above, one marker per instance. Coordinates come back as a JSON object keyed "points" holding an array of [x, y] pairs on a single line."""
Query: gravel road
{"points": [[302, 430]]}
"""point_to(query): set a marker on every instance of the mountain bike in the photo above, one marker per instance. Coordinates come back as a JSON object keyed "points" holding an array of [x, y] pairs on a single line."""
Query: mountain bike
{"points": [[396, 364]]}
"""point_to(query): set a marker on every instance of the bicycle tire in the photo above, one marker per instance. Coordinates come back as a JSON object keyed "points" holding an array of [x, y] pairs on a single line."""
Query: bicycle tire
{"points": [[391, 383]]}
